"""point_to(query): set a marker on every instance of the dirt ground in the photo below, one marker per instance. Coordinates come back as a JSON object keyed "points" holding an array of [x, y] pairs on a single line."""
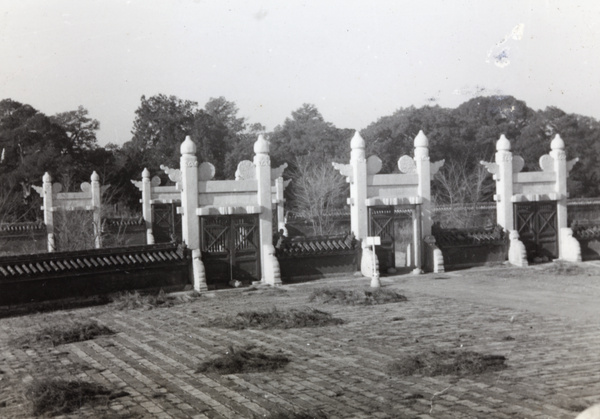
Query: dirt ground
{"points": [[544, 319]]}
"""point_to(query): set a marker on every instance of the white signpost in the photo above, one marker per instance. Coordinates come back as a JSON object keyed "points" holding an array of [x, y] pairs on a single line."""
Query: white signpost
{"points": [[374, 241]]}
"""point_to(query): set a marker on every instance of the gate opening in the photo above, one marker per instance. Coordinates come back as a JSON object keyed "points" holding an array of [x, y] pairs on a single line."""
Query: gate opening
{"points": [[230, 247], [536, 224]]}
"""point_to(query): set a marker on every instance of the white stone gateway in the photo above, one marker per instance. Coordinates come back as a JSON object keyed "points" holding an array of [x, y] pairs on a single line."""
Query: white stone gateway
{"points": [[256, 189], [89, 199], [546, 186], [410, 188]]}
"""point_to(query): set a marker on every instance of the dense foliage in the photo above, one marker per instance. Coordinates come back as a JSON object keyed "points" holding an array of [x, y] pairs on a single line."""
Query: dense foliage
{"points": [[65, 145]]}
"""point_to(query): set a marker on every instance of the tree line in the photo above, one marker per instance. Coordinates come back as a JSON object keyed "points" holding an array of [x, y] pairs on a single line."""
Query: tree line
{"points": [[65, 145]]}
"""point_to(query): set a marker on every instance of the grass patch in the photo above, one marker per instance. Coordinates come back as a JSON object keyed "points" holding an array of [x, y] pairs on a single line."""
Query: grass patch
{"points": [[135, 301], [243, 360], [459, 363], [357, 297], [55, 397], [60, 334], [559, 267], [277, 319]]}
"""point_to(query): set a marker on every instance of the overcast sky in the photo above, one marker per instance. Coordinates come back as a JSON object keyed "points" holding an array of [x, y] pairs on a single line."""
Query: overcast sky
{"points": [[355, 60]]}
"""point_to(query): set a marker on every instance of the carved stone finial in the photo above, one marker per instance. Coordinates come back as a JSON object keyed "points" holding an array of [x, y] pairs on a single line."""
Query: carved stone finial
{"points": [[245, 170], [503, 144], [146, 173], [261, 146], [188, 146], [95, 177], [421, 140], [547, 163], [407, 165], [206, 171], [518, 163], [374, 165], [357, 141], [47, 177], [85, 187], [557, 143]]}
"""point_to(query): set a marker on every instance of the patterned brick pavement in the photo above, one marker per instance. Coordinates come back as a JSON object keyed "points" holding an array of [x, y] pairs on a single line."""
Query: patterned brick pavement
{"points": [[553, 357]]}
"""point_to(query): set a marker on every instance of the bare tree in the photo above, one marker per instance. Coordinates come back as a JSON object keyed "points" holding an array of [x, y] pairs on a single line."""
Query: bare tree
{"points": [[462, 187], [317, 190]]}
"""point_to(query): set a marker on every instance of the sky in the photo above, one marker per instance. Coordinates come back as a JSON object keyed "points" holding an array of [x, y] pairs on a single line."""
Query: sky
{"points": [[355, 60]]}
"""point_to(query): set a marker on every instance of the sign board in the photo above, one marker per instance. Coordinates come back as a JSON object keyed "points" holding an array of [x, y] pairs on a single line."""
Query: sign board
{"points": [[373, 241]]}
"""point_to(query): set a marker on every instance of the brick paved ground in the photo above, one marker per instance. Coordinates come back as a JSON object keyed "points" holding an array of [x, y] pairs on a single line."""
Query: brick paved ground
{"points": [[553, 354]]}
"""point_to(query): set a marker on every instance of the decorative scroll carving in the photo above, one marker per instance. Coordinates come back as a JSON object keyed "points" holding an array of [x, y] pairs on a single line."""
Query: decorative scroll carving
{"points": [[571, 163], [263, 160], [518, 164], [278, 172], [137, 183], [103, 188], [286, 183], [374, 165], [407, 165], [436, 166], [560, 155], [547, 163], [344, 169], [490, 167], [245, 170], [206, 171], [39, 190], [174, 174]]}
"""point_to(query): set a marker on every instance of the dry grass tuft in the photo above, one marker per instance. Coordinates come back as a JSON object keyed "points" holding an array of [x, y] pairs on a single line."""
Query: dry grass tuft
{"points": [[60, 334], [243, 360], [277, 319], [298, 415], [55, 397], [135, 300], [459, 363], [559, 267], [357, 297]]}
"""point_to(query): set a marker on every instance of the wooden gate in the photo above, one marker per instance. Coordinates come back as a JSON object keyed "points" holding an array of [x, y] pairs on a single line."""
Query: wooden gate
{"points": [[230, 248], [536, 224], [381, 223], [166, 223]]}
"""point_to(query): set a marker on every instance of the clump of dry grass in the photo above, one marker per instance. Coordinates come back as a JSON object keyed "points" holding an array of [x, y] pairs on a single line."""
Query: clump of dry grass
{"points": [[459, 363], [243, 360], [277, 319], [59, 334], [55, 397], [559, 267], [357, 297], [298, 415], [134, 300]]}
